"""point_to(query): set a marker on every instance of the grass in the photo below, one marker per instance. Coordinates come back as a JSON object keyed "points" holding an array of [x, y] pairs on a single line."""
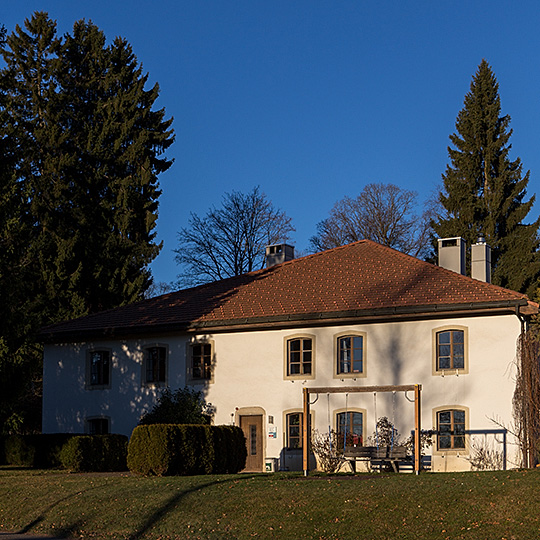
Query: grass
{"points": [[487, 505]]}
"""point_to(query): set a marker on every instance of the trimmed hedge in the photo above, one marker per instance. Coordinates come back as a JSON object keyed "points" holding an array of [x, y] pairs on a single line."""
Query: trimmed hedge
{"points": [[38, 451], [3, 449], [186, 449], [95, 453]]}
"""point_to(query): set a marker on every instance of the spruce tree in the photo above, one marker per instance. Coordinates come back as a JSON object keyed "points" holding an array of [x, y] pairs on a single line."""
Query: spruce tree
{"points": [[484, 190], [81, 153]]}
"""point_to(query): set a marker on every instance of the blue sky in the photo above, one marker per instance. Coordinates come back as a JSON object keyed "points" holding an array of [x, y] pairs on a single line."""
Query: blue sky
{"points": [[313, 100]]}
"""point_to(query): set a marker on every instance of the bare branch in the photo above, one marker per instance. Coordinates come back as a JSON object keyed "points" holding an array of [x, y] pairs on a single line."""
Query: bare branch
{"points": [[230, 240], [383, 213]]}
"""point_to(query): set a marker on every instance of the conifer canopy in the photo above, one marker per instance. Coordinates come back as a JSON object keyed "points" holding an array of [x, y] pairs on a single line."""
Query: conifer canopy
{"points": [[484, 190], [81, 151]]}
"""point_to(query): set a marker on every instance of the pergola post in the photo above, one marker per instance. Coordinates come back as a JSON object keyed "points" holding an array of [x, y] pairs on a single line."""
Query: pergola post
{"points": [[306, 435], [417, 429]]}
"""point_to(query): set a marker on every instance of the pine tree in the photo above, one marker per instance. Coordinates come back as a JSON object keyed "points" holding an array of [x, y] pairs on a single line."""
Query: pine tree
{"points": [[484, 190], [82, 151]]}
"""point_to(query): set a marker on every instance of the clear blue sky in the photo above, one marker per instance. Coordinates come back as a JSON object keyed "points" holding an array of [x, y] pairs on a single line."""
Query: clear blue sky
{"points": [[312, 100]]}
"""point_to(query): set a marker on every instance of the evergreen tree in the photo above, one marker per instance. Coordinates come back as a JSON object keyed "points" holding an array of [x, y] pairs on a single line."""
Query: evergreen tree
{"points": [[81, 153], [484, 190]]}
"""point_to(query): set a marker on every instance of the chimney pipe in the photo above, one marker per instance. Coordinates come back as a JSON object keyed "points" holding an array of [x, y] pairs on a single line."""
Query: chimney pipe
{"points": [[481, 260]]}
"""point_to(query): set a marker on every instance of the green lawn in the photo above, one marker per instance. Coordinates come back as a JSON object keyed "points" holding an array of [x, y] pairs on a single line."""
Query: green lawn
{"points": [[489, 505]]}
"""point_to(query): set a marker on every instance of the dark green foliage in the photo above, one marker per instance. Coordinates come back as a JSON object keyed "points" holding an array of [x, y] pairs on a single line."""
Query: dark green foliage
{"points": [[230, 451], [80, 153], [95, 453], [183, 406], [37, 451], [484, 190], [174, 449], [3, 439]]}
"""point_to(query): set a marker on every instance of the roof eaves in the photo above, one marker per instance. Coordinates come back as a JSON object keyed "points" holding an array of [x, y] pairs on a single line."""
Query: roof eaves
{"points": [[291, 320]]}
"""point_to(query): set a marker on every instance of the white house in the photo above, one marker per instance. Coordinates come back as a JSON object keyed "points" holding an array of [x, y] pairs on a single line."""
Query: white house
{"points": [[357, 315]]}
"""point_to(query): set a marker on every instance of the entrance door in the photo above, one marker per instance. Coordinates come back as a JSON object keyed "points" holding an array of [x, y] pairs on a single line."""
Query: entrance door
{"points": [[252, 428]]}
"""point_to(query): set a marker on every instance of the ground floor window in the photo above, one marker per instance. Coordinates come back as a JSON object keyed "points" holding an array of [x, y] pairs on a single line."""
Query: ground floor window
{"points": [[294, 430], [350, 425], [98, 426], [451, 429]]}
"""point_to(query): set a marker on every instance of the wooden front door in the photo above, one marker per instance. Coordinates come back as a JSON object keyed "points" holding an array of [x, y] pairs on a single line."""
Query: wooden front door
{"points": [[252, 428]]}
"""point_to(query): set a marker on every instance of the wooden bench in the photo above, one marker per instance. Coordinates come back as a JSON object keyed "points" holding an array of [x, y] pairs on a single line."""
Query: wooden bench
{"points": [[378, 457]]}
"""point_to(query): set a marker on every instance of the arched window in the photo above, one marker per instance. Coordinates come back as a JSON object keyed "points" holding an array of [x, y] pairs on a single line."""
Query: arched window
{"points": [[155, 365], [300, 356], [350, 354], [351, 425], [451, 429], [99, 369], [450, 349]]}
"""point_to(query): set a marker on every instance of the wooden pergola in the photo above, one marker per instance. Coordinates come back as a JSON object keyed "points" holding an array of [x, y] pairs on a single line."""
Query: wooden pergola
{"points": [[306, 430]]}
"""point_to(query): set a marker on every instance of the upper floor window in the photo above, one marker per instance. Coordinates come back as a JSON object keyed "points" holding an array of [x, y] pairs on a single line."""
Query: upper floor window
{"points": [[155, 365], [451, 429], [450, 349], [300, 356], [350, 355], [350, 425], [201, 360], [100, 368]]}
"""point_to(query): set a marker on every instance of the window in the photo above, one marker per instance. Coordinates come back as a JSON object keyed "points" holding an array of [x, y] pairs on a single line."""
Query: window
{"points": [[350, 355], [155, 365], [451, 429], [450, 349], [294, 430], [97, 426], [100, 368], [351, 425], [299, 356], [201, 361]]}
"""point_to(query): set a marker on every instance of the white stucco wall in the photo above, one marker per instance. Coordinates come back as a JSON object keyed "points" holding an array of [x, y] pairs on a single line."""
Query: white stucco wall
{"points": [[249, 372]]}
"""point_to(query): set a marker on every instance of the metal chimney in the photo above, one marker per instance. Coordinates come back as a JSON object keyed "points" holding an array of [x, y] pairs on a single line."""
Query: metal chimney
{"points": [[481, 261], [452, 254], [278, 253]]}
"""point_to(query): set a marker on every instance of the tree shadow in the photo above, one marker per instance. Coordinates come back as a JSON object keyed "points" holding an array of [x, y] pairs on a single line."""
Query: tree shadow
{"points": [[171, 504]]}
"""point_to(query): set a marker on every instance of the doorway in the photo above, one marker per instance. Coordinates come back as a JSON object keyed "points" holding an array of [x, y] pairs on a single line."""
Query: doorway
{"points": [[252, 427]]}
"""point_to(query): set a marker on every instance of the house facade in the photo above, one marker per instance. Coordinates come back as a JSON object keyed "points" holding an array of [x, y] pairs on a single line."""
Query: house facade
{"points": [[358, 315]]}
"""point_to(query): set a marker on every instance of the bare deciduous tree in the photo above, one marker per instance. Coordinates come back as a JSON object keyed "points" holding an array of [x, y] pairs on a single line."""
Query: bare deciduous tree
{"points": [[230, 240], [383, 213]]}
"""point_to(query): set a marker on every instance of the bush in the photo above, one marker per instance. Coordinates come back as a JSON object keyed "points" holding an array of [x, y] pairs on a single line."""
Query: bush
{"points": [[95, 453], [3, 449], [38, 451], [186, 449], [184, 406]]}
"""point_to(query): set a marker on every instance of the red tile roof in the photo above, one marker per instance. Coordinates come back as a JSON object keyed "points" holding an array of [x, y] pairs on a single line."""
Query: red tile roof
{"points": [[360, 281]]}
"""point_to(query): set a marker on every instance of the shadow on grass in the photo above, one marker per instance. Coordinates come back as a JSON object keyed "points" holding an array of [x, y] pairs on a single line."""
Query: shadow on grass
{"points": [[162, 512], [63, 532]]}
